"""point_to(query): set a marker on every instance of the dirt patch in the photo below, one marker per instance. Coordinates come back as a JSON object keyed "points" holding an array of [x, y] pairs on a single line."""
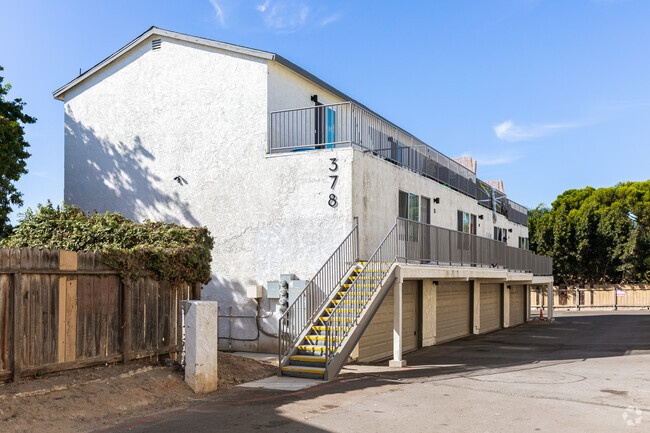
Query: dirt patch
{"points": [[96, 397]]}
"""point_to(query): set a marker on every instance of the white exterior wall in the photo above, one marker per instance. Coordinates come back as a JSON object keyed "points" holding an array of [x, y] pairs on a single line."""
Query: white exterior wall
{"points": [[201, 113], [376, 185], [289, 90]]}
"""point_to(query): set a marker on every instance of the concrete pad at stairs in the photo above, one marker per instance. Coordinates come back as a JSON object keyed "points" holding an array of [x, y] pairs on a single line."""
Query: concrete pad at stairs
{"points": [[271, 358], [283, 383]]}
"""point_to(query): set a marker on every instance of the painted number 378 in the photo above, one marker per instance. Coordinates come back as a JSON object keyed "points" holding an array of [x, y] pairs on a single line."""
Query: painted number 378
{"points": [[333, 168]]}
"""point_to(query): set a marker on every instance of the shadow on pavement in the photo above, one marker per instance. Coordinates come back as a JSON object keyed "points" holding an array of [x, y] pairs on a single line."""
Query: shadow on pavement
{"points": [[572, 338]]}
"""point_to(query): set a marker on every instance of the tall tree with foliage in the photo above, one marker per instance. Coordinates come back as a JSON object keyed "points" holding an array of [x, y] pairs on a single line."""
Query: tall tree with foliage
{"points": [[596, 235], [13, 153]]}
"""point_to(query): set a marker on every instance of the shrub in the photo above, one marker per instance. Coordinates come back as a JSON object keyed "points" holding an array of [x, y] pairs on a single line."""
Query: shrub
{"points": [[168, 251]]}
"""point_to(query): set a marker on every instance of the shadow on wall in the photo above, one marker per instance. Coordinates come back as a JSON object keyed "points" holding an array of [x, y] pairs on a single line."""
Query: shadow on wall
{"points": [[239, 329], [119, 177]]}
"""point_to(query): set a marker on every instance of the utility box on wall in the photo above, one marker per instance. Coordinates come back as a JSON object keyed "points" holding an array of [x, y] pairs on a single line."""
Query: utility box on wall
{"points": [[273, 289], [256, 291], [295, 288]]}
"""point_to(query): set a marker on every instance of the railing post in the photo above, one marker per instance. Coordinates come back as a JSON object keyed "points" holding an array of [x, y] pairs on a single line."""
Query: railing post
{"points": [[356, 224], [350, 115]]}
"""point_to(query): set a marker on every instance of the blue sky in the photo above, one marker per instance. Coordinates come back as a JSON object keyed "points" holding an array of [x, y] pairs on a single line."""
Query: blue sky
{"points": [[547, 95]]}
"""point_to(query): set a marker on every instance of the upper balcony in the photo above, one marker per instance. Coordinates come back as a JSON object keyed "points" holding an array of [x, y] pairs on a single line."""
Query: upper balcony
{"points": [[349, 124]]}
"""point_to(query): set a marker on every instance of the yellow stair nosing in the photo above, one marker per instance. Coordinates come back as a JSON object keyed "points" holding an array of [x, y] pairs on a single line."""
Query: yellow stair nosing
{"points": [[357, 294], [338, 301], [301, 369], [321, 338], [307, 358], [322, 328]]}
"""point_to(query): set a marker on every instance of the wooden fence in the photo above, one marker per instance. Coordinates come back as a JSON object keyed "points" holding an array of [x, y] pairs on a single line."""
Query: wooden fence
{"points": [[61, 310], [597, 297]]}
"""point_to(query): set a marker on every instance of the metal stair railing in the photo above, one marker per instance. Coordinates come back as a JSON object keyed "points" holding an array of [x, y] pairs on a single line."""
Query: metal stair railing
{"points": [[301, 313], [345, 315]]}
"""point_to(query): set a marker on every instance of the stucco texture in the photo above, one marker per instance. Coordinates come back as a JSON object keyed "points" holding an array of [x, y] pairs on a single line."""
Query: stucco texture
{"points": [[201, 114]]}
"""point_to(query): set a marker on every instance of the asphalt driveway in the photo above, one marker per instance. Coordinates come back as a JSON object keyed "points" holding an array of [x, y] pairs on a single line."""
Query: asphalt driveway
{"points": [[587, 372]]}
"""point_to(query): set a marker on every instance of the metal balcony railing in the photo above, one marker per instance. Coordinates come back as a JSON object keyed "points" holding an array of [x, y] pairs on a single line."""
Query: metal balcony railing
{"points": [[349, 124], [425, 243]]}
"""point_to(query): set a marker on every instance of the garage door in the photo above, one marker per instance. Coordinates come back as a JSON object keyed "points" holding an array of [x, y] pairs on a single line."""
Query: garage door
{"points": [[517, 305], [377, 341], [453, 311], [491, 307]]}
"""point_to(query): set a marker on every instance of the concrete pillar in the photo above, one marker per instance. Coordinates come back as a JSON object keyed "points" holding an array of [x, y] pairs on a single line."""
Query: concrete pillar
{"points": [[549, 301], [201, 318], [397, 360], [527, 302], [477, 306], [506, 305], [429, 310]]}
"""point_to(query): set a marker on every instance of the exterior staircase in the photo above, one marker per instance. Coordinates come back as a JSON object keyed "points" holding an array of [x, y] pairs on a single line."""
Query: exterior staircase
{"points": [[334, 329]]}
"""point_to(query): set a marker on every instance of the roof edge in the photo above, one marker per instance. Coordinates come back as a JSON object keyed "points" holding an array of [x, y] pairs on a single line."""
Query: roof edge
{"points": [[153, 30]]}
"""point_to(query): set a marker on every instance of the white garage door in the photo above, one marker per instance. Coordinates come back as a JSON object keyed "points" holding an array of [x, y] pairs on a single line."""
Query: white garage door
{"points": [[517, 305], [453, 311], [377, 341], [491, 307]]}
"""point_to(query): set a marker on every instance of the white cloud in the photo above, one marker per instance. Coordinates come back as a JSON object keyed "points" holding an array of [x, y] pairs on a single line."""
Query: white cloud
{"points": [[288, 16], [329, 20], [263, 7], [508, 131], [218, 12]]}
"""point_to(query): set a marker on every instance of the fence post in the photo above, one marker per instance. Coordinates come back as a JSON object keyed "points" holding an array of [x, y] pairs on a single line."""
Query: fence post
{"points": [[196, 291], [128, 314], [17, 353]]}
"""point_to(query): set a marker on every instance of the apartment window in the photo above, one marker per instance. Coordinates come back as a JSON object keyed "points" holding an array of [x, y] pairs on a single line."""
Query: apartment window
{"points": [[425, 210], [523, 243], [500, 234], [466, 222], [409, 208]]}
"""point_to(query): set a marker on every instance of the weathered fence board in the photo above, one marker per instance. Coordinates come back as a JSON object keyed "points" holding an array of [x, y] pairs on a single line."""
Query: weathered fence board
{"points": [[62, 310], [599, 296]]}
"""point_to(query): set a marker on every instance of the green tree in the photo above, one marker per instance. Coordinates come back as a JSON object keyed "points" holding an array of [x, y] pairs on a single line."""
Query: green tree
{"points": [[596, 235], [13, 153]]}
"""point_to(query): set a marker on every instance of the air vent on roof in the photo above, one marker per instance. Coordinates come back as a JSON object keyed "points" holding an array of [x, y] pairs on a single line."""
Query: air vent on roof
{"points": [[155, 44]]}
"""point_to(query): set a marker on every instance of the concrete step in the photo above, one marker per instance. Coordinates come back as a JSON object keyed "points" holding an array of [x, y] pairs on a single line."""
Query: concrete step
{"points": [[311, 349], [332, 328], [314, 338], [343, 310], [347, 301], [327, 319], [307, 361], [356, 294], [308, 372]]}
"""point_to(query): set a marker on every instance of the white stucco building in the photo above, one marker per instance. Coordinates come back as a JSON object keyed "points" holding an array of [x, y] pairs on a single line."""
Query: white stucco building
{"points": [[279, 165]]}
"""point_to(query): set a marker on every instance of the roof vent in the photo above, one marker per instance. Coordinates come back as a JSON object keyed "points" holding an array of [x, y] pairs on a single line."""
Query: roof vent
{"points": [[155, 44]]}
